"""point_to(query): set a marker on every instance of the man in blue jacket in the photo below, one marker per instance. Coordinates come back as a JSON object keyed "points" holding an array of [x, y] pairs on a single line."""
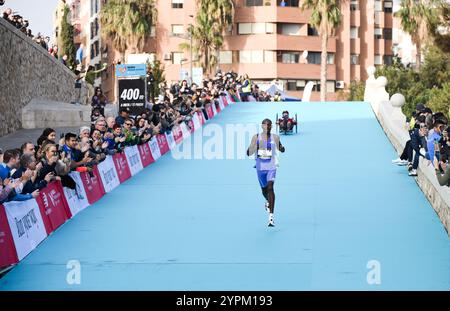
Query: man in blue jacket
{"points": [[11, 160]]}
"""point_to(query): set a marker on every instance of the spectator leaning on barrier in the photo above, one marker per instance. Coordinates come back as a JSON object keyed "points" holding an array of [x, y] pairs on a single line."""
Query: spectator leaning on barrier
{"points": [[28, 163], [11, 162]]}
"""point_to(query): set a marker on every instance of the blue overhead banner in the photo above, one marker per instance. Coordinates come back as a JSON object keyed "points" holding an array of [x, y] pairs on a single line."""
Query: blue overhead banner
{"points": [[131, 70]]}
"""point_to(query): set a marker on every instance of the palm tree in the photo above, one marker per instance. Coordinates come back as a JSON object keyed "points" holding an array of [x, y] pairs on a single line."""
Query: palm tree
{"points": [[206, 39], [222, 12], [325, 17], [416, 18], [127, 23]]}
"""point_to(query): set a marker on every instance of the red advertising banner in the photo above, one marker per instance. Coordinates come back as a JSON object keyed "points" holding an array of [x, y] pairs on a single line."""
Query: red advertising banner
{"points": [[217, 107], [177, 134], [122, 169], [162, 143], [53, 206], [225, 101], [93, 186], [209, 112], [8, 255], [146, 154]]}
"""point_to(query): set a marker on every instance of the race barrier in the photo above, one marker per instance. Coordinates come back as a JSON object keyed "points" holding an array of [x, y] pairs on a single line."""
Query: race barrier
{"points": [[24, 225]]}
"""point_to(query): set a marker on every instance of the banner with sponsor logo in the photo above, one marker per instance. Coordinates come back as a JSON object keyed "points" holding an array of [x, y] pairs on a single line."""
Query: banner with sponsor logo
{"points": [[26, 225], [221, 103], [196, 121], [162, 143], [191, 125], [54, 208], [146, 154], [217, 105], [214, 108], [185, 130], [209, 112], [8, 255], [93, 185], [108, 174], [177, 134], [134, 160], [122, 168], [201, 117], [170, 140], [77, 200], [225, 100], [154, 148]]}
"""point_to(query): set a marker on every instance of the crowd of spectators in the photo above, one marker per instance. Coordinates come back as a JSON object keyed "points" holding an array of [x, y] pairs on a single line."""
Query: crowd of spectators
{"points": [[28, 169], [22, 25], [429, 138]]}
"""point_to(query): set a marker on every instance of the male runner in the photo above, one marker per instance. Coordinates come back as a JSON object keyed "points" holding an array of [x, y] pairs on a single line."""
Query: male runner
{"points": [[265, 146]]}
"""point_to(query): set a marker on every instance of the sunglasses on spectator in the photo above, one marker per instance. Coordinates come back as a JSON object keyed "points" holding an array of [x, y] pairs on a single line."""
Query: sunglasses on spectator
{"points": [[129, 124]]}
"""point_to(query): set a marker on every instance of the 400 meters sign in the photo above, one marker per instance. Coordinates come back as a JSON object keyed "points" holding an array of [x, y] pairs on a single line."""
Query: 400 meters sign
{"points": [[132, 95]]}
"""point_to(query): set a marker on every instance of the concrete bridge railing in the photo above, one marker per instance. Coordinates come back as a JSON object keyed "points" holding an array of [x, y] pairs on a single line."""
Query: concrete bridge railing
{"points": [[391, 118]]}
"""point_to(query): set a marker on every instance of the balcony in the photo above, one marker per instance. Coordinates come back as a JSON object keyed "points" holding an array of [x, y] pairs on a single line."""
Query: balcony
{"points": [[301, 43], [304, 71], [292, 15], [355, 46], [251, 42]]}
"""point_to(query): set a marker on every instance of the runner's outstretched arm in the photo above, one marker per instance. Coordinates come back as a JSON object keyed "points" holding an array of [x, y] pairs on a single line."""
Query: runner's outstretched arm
{"points": [[279, 145], [251, 150]]}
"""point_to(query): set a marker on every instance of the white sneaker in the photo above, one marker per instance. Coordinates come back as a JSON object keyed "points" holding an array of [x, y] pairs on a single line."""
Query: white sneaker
{"points": [[402, 163], [413, 172], [266, 206], [396, 160], [271, 223]]}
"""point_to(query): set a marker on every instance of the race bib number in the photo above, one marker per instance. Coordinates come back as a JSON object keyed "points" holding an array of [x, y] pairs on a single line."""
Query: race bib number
{"points": [[264, 154]]}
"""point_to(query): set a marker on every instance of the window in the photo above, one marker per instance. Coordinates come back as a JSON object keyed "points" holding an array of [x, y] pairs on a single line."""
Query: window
{"points": [[253, 2], [255, 28], [288, 3], [290, 29], [354, 33], [377, 60], [388, 6], [251, 57], [94, 28], [270, 27], [177, 29], [388, 60], [354, 5], [354, 59], [177, 4], [378, 6], [314, 57], [387, 33], [331, 86], [95, 49], [177, 57], [290, 57], [153, 31], [378, 33], [312, 31], [330, 58], [258, 28], [269, 56], [226, 57], [94, 7], [244, 28]]}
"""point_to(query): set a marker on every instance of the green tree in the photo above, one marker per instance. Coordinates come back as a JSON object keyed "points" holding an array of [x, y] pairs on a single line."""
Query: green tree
{"points": [[326, 18], [417, 18], [158, 72], [127, 23], [68, 45], [222, 12], [206, 39]]}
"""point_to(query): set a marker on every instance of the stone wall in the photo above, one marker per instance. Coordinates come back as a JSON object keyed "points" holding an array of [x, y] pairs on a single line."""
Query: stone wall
{"points": [[28, 72], [392, 120]]}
